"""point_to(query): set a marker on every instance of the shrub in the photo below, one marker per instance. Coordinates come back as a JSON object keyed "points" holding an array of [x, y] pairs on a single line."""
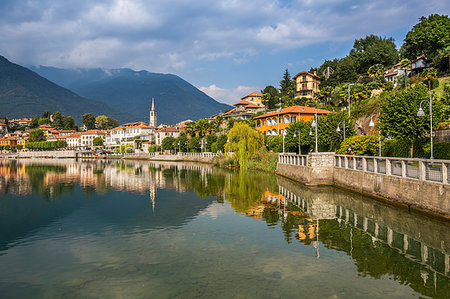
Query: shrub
{"points": [[361, 145]]}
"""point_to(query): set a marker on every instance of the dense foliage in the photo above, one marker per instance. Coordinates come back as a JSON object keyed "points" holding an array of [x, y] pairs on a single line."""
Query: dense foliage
{"points": [[46, 145]]}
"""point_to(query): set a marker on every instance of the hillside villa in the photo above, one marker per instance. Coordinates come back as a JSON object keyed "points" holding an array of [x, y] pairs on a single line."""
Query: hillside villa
{"points": [[307, 85], [274, 123]]}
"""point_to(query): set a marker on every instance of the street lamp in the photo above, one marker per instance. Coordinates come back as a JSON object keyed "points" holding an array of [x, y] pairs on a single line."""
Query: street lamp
{"points": [[299, 144], [372, 124], [349, 98], [314, 125], [422, 113], [339, 129]]}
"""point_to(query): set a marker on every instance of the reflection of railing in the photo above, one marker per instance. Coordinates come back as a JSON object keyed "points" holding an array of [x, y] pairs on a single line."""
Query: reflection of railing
{"points": [[293, 159], [202, 155], [435, 259], [420, 169]]}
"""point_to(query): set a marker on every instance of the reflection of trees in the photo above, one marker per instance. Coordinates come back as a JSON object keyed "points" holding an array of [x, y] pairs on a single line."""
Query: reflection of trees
{"points": [[45, 179], [376, 259]]}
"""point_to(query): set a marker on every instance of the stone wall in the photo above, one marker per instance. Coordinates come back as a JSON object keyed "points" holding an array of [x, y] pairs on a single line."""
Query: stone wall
{"points": [[434, 197]]}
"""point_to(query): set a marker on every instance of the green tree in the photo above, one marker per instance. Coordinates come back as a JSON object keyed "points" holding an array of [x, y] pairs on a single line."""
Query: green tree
{"points": [[106, 122], [88, 119], [194, 144], [202, 126], [398, 114], [287, 85], [442, 60], [244, 142], [36, 135], [405, 64], [428, 74], [69, 123], [46, 114], [372, 50], [270, 97], [35, 121], [346, 71], [427, 37], [168, 143], [98, 141], [57, 120], [181, 141]]}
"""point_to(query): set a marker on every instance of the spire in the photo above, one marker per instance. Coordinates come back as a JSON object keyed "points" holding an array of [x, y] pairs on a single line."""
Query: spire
{"points": [[153, 104]]}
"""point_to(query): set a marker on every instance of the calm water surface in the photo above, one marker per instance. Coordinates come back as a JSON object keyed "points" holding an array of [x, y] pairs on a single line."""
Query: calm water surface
{"points": [[157, 230]]}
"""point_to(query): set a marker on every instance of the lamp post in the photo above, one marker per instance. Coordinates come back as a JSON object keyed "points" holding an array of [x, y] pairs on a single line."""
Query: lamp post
{"points": [[372, 124], [422, 113], [349, 98], [339, 129], [299, 144], [314, 125]]}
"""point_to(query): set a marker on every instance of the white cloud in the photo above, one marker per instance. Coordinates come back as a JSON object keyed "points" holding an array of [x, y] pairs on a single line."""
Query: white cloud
{"points": [[228, 96], [167, 36]]}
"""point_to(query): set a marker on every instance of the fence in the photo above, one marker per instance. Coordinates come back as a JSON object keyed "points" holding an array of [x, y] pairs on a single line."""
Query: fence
{"points": [[419, 169], [293, 159]]}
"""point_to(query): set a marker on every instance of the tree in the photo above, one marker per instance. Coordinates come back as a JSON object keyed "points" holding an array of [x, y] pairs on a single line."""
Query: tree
{"points": [[105, 122], [194, 144], [46, 114], [168, 143], [442, 60], [427, 37], [244, 142], [201, 127], [98, 141], [35, 121], [36, 135], [88, 120], [428, 74], [270, 97], [57, 120], [398, 115], [346, 70], [405, 64], [181, 142], [372, 50], [69, 123], [287, 85]]}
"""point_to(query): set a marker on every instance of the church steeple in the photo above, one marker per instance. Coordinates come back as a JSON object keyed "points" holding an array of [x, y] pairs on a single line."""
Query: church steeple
{"points": [[152, 121]]}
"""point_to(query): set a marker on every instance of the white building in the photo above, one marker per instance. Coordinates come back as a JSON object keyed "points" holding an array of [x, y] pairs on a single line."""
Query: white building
{"points": [[129, 132], [162, 133], [74, 141], [88, 137]]}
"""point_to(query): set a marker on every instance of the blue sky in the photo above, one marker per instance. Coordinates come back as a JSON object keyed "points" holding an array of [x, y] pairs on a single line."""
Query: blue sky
{"points": [[226, 48]]}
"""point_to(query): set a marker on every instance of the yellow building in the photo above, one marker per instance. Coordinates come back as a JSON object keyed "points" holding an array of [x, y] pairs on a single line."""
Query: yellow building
{"points": [[274, 123], [254, 98], [307, 85]]}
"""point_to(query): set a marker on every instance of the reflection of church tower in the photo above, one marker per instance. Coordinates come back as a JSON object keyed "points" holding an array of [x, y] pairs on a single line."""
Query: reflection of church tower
{"points": [[153, 186], [152, 121]]}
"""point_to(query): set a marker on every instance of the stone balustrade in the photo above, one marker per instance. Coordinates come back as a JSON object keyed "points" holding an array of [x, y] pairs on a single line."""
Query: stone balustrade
{"points": [[417, 169]]}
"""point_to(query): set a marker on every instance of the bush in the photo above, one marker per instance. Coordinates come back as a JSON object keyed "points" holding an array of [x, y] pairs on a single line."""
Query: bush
{"points": [[361, 145], [396, 148]]}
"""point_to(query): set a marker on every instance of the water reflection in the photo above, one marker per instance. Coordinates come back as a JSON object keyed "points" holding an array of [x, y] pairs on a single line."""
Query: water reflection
{"points": [[381, 240]]}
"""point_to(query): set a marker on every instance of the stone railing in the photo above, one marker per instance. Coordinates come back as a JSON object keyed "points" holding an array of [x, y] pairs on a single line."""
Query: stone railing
{"points": [[419, 169], [293, 159], [201, 155]]}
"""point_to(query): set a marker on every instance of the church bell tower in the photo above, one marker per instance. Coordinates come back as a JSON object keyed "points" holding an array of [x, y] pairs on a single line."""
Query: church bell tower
{"points": [[152, 121]]}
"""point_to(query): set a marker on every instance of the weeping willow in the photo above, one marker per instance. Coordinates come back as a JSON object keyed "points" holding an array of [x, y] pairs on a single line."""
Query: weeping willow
{"points": [[244, 142]]}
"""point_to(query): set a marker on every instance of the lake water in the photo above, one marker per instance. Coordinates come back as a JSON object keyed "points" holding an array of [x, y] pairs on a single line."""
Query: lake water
{"points": [[71, 229]]}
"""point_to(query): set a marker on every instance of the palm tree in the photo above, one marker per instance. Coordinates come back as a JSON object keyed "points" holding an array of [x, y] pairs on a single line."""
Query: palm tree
{"points": [[428, 74], [405, 64]]}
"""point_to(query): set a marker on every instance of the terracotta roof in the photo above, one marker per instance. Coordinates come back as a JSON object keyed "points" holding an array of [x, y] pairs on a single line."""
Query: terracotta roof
{"points": [[75, 135], [127, 126], [242, 103], [229, 111], [169, 129], [253, 94], [96, 132], [295, 109], [305, 73]]}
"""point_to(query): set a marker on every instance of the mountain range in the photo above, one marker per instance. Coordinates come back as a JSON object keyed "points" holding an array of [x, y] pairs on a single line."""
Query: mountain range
{"points": [[121, 93], [24, 93], [132, 92]]}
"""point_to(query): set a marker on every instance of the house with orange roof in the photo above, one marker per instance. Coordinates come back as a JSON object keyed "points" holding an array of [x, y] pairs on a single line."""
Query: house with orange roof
{"points": [[88, 137], [129, 132], [275, 122], [161, 133], [48, 130], [74, 141], [254, 98], [243, 110], [307, 84]]}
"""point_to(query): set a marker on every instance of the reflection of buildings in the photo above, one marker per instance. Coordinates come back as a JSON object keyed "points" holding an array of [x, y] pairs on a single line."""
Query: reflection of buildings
{"points": [[434, 258]]}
